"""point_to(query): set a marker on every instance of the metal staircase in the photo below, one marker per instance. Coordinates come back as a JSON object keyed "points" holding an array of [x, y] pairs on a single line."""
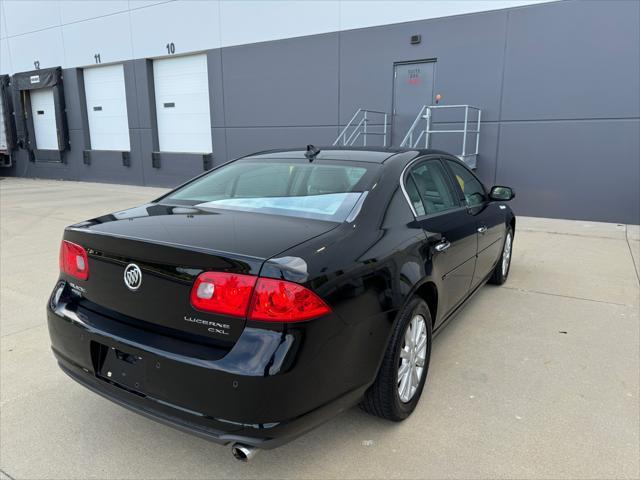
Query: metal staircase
{"points": [[358, 127], [422, 130], [420, 134]]}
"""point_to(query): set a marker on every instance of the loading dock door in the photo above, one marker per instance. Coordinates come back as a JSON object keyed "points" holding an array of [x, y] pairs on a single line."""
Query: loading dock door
{"points": [[412, 88], [182, 104], [3, 132], [107, 108], [43, 112]]}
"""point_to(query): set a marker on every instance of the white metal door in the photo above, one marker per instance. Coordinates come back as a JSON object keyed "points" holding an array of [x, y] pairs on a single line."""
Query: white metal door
{"points": [[107, 108], [3, 132], [182, 104], [44, 119]]}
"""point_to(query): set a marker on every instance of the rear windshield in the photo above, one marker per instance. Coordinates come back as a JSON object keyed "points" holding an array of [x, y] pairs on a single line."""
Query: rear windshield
{"points": [[323, 190]]}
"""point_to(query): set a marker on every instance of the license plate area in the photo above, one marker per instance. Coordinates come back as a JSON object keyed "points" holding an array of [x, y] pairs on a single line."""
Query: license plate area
{"points": [[124, 368]]}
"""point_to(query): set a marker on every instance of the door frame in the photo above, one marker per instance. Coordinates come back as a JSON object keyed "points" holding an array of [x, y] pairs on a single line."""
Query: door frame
{"points": [[433, 60]]}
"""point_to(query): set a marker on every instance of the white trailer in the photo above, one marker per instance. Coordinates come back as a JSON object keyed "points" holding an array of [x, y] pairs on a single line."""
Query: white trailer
{"points": [[5, 155]]}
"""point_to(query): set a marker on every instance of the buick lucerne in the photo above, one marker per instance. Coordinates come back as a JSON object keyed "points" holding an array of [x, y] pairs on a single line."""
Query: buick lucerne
{"points": [[265, 296]]}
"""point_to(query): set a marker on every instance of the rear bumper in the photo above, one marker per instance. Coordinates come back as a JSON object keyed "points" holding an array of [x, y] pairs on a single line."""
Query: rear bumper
{"points": [[264, 392], [214, 430]]}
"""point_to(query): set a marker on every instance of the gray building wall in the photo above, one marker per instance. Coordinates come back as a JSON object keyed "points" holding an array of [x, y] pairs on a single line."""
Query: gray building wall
{"points": [[558, 83]]}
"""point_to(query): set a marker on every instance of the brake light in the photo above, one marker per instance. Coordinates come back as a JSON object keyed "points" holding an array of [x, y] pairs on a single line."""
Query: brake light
{"points": [[73, 260], [222, 292], [263, 299], [282, 301]]}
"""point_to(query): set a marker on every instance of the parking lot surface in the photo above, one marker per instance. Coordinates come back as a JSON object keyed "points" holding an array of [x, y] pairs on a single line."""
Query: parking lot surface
{"points": [[538, 378]]}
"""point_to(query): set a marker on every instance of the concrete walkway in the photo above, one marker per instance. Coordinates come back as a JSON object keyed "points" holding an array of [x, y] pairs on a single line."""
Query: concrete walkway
{"points": [[538, 378]]}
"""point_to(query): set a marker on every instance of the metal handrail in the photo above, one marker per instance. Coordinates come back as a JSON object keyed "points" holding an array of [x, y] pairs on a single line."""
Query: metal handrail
{"points": [[425, 113], [361, 129], [407, 141]]}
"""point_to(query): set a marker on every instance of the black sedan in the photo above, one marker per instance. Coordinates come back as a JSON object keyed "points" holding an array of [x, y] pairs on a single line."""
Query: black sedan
{"points": [[262, 298]]}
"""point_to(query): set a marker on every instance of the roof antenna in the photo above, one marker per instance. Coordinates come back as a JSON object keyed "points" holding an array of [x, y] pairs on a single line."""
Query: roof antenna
{"points": [[312, 152]]}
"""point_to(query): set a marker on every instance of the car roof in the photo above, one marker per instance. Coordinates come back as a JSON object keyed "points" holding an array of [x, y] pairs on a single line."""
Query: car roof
{"points": [[357, 154]]}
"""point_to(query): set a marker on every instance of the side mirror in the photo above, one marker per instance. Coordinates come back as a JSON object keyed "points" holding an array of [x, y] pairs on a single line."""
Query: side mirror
{"points": [[501, 194]]}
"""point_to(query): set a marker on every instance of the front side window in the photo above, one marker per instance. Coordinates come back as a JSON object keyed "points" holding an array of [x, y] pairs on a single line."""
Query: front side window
{"points": [[473, 190], [321, 190], [431, 183]]}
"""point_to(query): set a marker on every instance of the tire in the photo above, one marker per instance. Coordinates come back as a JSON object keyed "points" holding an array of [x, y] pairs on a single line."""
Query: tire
{"points": [[383, 398], [501, 271]]}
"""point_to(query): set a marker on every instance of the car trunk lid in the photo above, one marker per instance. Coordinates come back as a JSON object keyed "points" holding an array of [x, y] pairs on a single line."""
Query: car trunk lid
{"points": [[172, 245]]}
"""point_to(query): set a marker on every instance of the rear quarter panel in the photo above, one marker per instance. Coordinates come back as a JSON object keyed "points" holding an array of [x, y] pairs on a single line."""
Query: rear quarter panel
{"points": [[365, 270]]}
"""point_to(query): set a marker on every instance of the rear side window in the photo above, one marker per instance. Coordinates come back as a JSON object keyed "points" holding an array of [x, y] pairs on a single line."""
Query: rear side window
{"points": [[414, 196], [473, 190], [432, 185], [322, 190]]}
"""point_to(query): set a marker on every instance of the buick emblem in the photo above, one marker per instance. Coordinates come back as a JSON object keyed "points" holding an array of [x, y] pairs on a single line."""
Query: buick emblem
{"points": [[132, 276]]}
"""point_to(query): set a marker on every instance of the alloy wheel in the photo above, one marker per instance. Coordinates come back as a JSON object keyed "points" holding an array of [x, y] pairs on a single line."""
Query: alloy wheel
{"points": [[506, 255], [412, 358]]}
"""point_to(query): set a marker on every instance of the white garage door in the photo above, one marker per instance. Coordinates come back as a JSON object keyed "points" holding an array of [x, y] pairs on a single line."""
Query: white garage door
{"points": [[182, 104], [107, 108], [44, 119]]}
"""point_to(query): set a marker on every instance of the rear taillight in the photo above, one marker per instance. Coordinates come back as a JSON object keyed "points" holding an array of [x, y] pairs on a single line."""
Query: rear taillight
{"points": [[263, 299], [73, 260], [281, 301], [221, 292]]}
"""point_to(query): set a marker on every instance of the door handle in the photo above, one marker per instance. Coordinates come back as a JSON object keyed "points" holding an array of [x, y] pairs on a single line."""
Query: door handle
{"points": [[482, 229], [443, 245]]}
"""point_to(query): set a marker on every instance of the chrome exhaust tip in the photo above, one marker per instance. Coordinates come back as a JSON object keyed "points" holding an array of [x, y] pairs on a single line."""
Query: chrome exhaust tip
{"points": [[242, 452]]}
